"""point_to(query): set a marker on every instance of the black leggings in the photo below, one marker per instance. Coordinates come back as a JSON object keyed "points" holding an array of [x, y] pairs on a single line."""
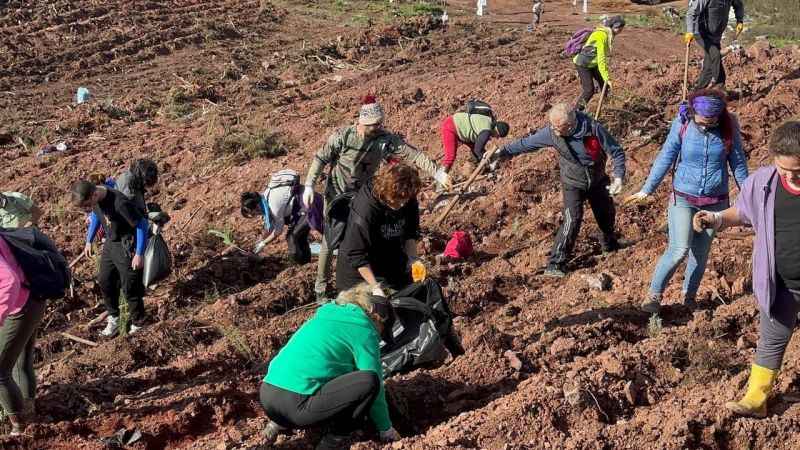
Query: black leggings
{"points": [[603, 209], [588, 77], [344, 402]]}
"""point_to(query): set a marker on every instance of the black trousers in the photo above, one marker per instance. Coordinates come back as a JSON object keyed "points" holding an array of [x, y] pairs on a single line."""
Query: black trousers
{"points": [[713, 71], [587, 77], [297, 238], [603, 209], [117, 274], [343, 402]]}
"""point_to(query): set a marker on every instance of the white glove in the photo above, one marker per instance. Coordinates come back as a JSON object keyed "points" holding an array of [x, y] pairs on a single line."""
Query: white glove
{"points": [[377, 291], [615, 187], [390, 435], [308, 196], [636, 198], [707, 219], [443, 179], [260, 246]]}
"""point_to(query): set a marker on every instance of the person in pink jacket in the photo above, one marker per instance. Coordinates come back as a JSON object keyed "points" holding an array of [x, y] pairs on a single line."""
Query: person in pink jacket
{"points": [[20, 316]]}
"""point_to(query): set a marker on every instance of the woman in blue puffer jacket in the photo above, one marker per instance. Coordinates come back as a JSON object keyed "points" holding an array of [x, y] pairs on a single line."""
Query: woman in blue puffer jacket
{"points": [[703, 142]]}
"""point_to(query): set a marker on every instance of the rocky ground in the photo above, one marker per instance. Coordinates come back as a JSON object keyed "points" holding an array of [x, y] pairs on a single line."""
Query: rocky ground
{"points": [[223, 93]]}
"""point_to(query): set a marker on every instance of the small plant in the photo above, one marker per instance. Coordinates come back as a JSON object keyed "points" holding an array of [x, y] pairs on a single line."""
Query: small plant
{"points": [[113, 111], [654, 326], [418, 9], [226, 236], [238, 341], [124, 314], [247, 146], [178, 104]]}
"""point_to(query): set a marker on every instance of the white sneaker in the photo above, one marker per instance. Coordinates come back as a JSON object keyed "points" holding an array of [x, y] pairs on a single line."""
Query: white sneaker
{"points": [[112, 327], [134, 329]]}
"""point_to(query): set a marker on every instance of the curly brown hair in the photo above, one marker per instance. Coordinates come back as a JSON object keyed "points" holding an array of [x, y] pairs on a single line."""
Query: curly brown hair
{"points": [[395, 184]]}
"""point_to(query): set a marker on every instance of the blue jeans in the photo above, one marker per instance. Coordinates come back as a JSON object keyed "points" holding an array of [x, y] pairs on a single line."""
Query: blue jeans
{"points": [[683, 242]]}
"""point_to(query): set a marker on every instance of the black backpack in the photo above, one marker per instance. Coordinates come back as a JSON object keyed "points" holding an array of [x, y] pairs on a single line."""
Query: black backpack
{"points": [[45, 268], [423, 330], [479, 107]]}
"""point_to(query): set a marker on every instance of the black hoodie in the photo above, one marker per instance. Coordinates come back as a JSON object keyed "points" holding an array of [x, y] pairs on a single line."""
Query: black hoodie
{"points": [[376, 236]]}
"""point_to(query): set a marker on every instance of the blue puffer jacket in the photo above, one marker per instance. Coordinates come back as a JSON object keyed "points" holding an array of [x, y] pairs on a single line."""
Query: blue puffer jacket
{"points": [[701, 170]]}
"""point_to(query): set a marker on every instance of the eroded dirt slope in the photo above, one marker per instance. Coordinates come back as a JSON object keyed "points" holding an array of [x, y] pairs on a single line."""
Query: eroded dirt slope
{"points": [[179, 81]]}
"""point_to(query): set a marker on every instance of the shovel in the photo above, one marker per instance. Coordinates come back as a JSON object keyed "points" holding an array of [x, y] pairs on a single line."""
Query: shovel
{"points": [[475, 173], [600, 103]]}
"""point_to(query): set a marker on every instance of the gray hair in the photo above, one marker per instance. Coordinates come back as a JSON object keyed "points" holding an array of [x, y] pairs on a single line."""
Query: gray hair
{"points": [[561, 112]]}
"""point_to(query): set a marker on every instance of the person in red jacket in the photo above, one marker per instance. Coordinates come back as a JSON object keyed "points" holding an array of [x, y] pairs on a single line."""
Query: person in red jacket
{"points": [[473, 130]]}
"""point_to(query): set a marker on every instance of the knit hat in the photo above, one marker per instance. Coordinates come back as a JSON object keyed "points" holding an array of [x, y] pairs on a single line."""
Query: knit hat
{"points": [[614, 22], [371, 112]]}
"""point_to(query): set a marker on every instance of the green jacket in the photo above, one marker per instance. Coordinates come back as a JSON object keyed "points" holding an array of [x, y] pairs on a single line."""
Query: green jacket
{"points": [[355, 160], [337, 340], [18, 210], [596, 51]]}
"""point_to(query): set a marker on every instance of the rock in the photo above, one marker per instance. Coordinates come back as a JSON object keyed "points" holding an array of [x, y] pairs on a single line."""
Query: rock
{"points": [[760, 50], [513, 360], [419, 95], [631, 392], [598, 282], [574, 395]]}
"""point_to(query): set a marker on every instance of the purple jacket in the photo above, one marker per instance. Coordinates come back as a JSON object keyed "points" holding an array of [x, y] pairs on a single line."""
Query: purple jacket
{"points": [[756, 206]]}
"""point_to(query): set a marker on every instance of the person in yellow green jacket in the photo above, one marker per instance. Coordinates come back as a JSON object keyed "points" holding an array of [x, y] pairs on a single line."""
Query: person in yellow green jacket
{"points": [[330, 371], [592, 61]]}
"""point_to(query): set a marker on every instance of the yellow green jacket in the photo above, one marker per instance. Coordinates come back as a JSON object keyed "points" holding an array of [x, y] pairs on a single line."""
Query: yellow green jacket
{"points": [[596, 51]]}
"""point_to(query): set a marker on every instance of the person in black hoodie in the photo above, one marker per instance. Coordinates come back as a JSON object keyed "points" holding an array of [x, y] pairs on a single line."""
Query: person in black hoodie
{"points": [[582, 144], [382, 231]]}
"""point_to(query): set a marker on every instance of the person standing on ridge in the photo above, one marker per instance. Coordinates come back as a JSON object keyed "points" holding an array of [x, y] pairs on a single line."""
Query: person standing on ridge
{"points": [[706, 21]]}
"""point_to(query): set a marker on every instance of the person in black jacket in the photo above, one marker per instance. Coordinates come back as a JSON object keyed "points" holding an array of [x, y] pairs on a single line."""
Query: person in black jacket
{"points": [[582, 144], [382, 231]]}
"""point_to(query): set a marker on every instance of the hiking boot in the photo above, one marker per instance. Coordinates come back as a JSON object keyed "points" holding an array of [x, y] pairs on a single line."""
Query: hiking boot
{"points": [[332, 442], [652, 304], [112, 327], [271, 431], [554, 271]]}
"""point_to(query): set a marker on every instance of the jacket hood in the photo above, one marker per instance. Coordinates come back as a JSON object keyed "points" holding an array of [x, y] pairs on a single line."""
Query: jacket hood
{"points": [[350, 314], [583, 126]]}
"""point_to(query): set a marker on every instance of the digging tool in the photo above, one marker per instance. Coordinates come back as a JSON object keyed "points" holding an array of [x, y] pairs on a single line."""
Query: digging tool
{"points": [[475, 173], [71, 280], [103, 316], [79, 339], [600, 103], [686, 71]]}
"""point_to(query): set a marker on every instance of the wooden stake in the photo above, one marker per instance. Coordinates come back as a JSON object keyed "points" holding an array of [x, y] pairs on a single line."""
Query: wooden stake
{"points": [[475, 173], [600, 103], [686, 71], [78, 339], [98, 319]]}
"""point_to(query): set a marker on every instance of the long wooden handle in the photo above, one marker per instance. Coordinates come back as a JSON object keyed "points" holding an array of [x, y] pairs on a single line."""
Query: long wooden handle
{"points": [[600, 103], [475, 173], [686, 71]]}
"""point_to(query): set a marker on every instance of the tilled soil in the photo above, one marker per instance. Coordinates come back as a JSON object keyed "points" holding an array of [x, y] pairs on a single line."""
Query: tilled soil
{"points": [[548, 364]]}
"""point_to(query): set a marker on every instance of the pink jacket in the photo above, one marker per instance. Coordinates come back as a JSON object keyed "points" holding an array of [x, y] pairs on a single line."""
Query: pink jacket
{"points": [[13, 295]]}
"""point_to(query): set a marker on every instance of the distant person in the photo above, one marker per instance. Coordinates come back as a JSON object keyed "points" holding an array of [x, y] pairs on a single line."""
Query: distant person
{"points": [[769, 202], [380, 244], [703, 142], [583, 146], [706, 21], [330, 372], [471, 129], [122, 259], [538, 10], [354, 154], [281, 205], [18, 210], [592, 61]]}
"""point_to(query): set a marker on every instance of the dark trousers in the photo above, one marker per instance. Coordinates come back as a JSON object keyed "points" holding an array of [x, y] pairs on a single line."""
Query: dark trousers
{"points": [[297, 239], [603, 209], [344, 402], [116, 273], [713, 72], [17, 341], [587, 77]]}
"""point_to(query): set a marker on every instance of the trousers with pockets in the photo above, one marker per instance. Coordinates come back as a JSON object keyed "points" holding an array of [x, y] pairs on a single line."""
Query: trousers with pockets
{"points": [[587, 76], [17, 341], [713, 72], [343, 402], [604, 213], [116, 274]]}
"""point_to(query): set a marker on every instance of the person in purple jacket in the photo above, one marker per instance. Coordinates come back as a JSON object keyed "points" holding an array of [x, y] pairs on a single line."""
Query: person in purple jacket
{"points": [[770, 203]]}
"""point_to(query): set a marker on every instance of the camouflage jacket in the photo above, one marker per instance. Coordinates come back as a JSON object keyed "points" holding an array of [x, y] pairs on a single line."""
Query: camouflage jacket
{"points": [[353, 160]]}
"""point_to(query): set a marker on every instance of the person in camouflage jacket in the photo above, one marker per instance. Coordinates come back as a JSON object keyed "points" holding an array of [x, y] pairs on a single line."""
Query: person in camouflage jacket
{"points": [[354, 154]]}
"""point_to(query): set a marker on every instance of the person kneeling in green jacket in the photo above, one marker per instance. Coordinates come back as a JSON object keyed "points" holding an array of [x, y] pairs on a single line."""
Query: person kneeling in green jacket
{"points": [[329, 373]]}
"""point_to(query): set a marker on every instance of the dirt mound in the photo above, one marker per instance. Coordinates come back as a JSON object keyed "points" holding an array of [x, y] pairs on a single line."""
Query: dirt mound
{"points": [[548, 363]]}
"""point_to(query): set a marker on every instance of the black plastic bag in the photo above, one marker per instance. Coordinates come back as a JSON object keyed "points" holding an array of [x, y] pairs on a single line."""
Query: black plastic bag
{"points": [[336, 219], [157, 260]]}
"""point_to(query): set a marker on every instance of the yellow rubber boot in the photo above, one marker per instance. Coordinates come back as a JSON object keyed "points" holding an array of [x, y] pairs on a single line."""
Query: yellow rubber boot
{"points": [[754, 402]]}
